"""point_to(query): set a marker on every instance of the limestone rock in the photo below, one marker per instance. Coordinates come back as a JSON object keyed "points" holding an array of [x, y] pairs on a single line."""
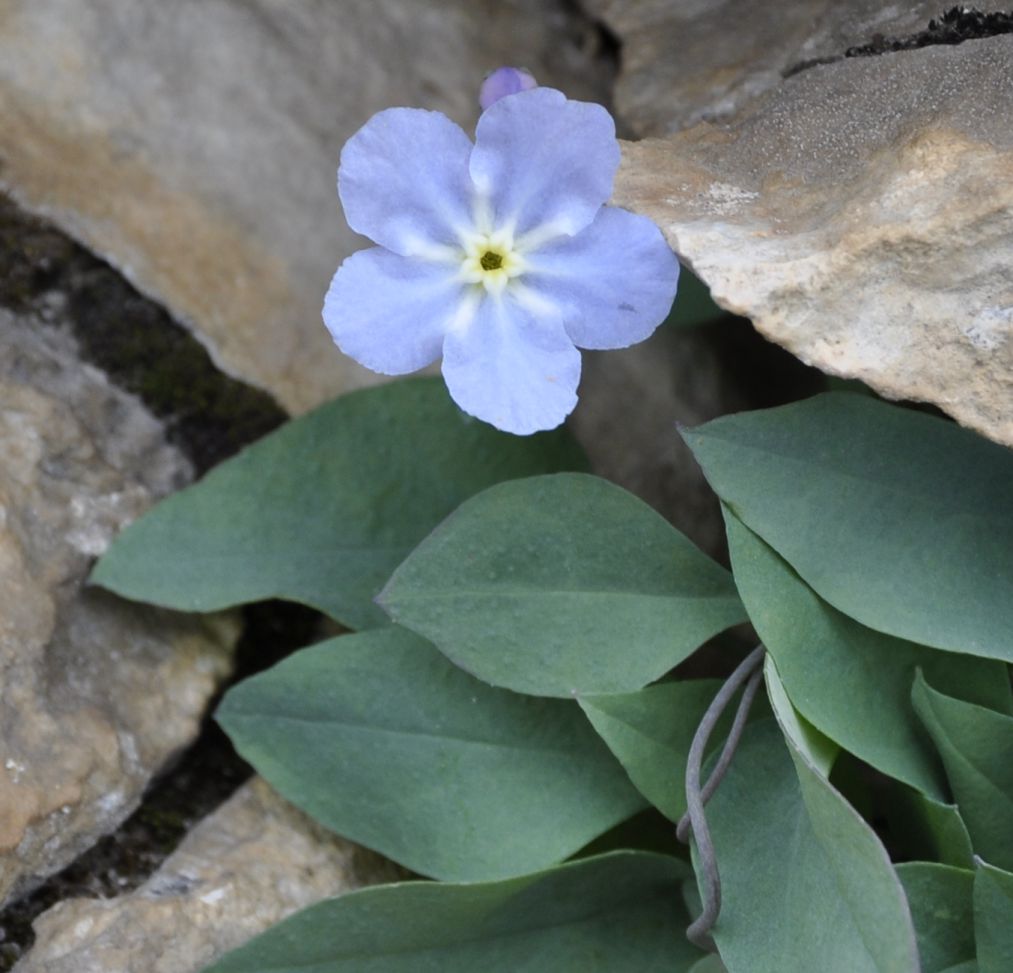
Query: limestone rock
{"points": [[195, 147], [705, 60], [96, 694], [861, 215], [244, 868]]}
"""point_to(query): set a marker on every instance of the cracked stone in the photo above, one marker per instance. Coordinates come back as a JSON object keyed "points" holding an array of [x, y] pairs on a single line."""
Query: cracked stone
{"points": [[197, 151], [97, 694], [957, 25], [861, 215], [701, 60], [248, 865]]}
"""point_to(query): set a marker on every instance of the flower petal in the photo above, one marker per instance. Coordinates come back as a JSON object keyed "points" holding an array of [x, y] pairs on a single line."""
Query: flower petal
{"points": [[512, 366], [541, 159], [614, 282], [390, 312], [404, 183]]}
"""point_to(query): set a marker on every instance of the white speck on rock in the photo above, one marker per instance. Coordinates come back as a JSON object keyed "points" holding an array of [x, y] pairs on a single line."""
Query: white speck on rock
{"points": [[723, 196], [82, 928], [95, 519], [989, 328], [112, 802], [215, 895]]}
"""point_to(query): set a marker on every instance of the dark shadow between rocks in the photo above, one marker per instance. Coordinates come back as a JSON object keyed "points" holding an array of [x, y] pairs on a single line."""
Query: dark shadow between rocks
{"points": [[957, 25], [208, 416], [194, 785]]}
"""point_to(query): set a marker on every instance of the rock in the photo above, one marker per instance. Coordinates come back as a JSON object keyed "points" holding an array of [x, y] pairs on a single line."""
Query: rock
{"points": [[244, 868], [46, 276], [196, 149], [96, 694], [630, 402], [861, 215], [702, 60]]}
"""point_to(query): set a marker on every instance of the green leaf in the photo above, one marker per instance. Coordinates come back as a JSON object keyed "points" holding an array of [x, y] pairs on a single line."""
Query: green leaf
{"points": [[806, 885], [709, 964], [382, 740], [559, 585], [820, 750], [993, 918], [922, 828], [613, 914], [940, 900], [864, 876], [976, 745], [650, 732], [852, 683], [898, 519], [647, 830], [321, 511]]}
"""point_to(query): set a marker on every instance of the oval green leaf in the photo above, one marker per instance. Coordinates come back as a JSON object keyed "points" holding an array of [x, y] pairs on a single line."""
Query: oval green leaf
{"points": [[925, 829], [384, 741], [976, 745], [851, 682], [993, 918], [611, 914], [322, 510], [709, 964], [819, 749], [561, 585], [806, 885], [940, 900], [898, 519], [650, 733]]}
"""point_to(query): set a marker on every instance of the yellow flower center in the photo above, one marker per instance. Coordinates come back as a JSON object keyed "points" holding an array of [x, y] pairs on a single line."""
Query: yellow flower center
{"points": [[491, 260]]}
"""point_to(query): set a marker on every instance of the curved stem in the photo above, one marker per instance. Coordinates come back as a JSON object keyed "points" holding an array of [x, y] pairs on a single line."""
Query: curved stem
{"points": [[749, 670], [727, 751]]}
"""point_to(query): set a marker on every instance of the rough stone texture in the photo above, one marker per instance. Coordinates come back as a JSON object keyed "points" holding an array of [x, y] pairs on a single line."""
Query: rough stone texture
{"points": [[46, 275], [704, 60], [195, 144], [96, 694], [245, 867], [861, 216]]}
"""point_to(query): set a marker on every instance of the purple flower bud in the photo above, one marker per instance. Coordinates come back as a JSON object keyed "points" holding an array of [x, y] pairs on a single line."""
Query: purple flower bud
{"points": [[503, 82]]}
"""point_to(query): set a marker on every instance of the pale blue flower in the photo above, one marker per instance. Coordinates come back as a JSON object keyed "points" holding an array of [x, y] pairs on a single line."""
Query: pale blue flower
{"points": [[500, 256]]}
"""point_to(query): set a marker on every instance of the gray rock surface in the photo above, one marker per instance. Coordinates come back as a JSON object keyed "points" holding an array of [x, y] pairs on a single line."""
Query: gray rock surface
{"points": [[96, 694], [705, 60], [194, 145], [861, 215], [197, 150], [245, 867]]}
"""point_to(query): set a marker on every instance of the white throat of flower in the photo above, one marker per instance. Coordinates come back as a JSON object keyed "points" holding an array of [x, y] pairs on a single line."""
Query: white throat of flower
{"points": [[491, 260]]}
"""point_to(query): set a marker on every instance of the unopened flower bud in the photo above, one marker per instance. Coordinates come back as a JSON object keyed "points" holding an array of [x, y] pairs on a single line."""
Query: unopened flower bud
{"points": [[503, 82]]}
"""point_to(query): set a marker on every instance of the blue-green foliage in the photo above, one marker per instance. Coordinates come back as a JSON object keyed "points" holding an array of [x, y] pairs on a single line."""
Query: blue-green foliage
{"points": [[322, 511], [513, 713]]}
